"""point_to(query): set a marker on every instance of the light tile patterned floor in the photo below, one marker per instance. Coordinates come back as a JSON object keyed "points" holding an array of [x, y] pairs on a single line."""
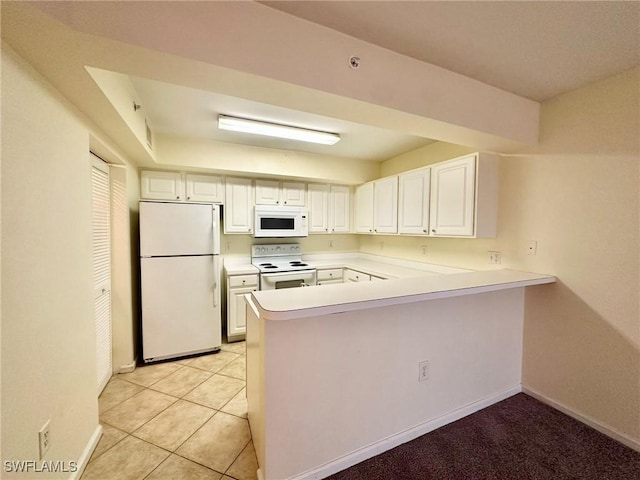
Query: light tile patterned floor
{"points": [[177, 420]]}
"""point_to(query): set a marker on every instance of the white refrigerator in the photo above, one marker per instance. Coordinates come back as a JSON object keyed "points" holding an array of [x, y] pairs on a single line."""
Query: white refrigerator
{"points": [[180, 279]]}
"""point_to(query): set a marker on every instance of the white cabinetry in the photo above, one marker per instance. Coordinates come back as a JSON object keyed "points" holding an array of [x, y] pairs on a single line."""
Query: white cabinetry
{"points": [[271, 192], [237, 287], [413, 201], [204, 188], [329, 209], [385, 207], [340, 209], [355, 276], [364, 208], [161, 185], [318, 204], [238, 206], [329, 276], [377, 206], [157, 185], [464, 197]]}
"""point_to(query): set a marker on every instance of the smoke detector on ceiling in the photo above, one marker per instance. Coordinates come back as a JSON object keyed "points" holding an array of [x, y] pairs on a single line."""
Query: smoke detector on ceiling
{"points": [[354, 62]]}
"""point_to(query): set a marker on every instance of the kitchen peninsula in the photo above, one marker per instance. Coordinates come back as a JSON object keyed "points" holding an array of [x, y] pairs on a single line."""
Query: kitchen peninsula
{"points": [[339, 373]]}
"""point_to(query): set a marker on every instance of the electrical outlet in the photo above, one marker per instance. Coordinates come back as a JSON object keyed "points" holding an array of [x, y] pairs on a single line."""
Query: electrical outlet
{"points": [[330, 243], [532, 248], [495, 258], [424, 250], [423, 371], [381, 246], [44, 438]]}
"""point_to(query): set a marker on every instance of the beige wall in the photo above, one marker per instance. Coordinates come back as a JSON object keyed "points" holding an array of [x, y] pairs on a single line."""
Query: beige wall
{"points": [[48, 341], [576, 194], [230, 158]]}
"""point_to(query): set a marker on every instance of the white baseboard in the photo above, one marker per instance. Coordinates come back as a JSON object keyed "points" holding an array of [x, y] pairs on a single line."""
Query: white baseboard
{"points": [[393, 441], [604, 429], [87, 452], [128, 368]]}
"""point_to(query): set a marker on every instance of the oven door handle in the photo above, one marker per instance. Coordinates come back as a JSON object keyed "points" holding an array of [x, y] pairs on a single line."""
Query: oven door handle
{"points": [[300, 273]]}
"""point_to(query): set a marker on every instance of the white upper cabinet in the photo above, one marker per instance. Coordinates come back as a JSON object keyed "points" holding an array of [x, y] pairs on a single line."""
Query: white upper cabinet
{"points": [[238, 206], [161, 185], [339, 209], [377, 206], [204, 188], [413, 202], [318, 203], [329, 209], [293, 194], [157, 185], [364, 208], [267, 192], [385, 207], [464, 197], [272, 192]]}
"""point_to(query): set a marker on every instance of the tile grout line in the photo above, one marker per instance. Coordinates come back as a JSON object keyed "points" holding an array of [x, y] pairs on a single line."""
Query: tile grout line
{"points": [[177, 398]]}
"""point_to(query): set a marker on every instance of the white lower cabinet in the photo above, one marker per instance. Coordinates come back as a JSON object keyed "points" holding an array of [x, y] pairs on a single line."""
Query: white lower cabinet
{"points": [[237, 287], [355, 276], [329, 276]]}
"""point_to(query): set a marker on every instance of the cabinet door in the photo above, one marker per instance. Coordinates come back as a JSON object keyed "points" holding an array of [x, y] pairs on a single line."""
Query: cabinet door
{"points": [[238, 208], [204, 188], [386, 205], [318, 208], [413, 205], [453, 197], [161, 185], [364, 208], [237, 312], [267, 192], [339, 209], [293, 194]]}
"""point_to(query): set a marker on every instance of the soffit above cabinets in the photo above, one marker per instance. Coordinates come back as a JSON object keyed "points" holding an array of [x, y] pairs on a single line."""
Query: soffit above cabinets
{"points": [[180, 111]]}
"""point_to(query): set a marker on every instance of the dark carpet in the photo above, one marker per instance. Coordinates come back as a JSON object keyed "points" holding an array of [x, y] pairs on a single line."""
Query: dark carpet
{"points": [[518, 438]]}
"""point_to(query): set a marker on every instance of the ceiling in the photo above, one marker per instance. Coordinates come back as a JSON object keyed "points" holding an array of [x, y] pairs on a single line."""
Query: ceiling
{"points": [[191, 113], [535, 49]]}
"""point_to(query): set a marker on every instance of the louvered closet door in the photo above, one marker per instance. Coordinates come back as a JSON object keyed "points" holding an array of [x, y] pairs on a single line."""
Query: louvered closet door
{"points": [[101, 268]]}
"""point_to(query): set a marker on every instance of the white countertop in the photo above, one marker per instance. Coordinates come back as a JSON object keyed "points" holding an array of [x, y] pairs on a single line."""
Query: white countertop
{"points": [[330, 299], [239, 266]]}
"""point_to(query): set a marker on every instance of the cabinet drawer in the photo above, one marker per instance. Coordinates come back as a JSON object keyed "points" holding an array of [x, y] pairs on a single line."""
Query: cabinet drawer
{"points": [[353, 276], [243, 281], [333, 274]]}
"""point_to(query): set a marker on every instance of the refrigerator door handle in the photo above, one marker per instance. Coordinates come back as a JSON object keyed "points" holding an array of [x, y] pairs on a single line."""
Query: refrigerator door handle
{"points": [[215, 288], [216, 229]]}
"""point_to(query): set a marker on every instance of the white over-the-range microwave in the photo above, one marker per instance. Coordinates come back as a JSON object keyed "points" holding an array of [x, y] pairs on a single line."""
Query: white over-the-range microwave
{"points": [[280, 221]]}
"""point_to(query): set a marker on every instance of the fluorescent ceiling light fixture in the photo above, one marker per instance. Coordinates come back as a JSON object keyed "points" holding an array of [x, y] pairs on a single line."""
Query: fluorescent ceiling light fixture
{"points": [[274, 130]]}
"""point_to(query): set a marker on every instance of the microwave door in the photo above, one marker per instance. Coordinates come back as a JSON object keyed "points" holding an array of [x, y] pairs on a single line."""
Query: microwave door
{"points": [[275, 226]]}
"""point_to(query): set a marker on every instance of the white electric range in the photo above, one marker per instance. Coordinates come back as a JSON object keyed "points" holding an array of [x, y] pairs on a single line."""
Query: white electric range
{"points": [[281, 266]]}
